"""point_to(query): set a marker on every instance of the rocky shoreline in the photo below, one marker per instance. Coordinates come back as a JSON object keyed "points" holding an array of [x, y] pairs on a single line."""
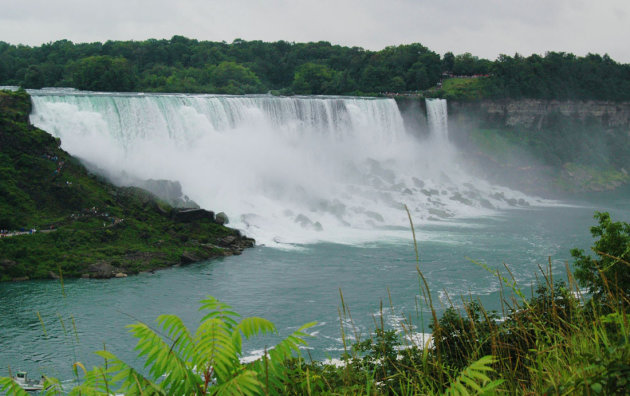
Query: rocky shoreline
{"points": [[229, 245]]}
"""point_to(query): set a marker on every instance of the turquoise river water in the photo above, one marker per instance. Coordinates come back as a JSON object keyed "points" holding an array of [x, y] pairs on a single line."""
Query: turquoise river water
{"points": [[292, 287]]}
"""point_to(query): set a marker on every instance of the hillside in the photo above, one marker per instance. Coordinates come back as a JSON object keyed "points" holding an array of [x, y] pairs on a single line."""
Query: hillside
{"points": [[83, 225]]}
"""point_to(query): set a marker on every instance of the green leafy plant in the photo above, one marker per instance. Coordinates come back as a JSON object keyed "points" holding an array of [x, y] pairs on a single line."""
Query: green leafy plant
{"points": [[180, 362], [473, 380], [609, 274]]}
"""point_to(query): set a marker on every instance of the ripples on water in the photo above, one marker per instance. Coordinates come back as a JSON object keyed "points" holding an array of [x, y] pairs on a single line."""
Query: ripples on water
{"points": [[289, 287]]}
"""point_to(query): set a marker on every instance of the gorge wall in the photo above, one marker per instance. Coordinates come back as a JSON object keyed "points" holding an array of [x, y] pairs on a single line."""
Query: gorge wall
{"points": [[545, 144], [534, 113]]}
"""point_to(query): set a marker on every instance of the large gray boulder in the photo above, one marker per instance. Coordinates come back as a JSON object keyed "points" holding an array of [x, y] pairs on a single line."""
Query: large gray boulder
{"points": [[192, 215], [101, 270], [221, 218]]}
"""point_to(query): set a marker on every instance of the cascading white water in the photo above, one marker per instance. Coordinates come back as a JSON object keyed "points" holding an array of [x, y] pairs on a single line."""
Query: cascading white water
{"points": [[437, 118], [285, 170]]}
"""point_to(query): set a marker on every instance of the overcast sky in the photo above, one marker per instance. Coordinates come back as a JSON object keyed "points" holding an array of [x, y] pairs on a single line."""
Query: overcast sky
{"points": [[485, 28]]}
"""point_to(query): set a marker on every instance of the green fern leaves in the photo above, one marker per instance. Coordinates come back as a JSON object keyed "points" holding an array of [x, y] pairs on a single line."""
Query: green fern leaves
{"points": [[473, 380], [180, 362]]}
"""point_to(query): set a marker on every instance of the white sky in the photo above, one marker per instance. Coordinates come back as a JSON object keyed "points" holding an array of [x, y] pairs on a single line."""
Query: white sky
{"points": [[485, 28]]}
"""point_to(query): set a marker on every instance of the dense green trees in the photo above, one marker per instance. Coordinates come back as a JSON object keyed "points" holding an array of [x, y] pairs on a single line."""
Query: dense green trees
{"points": [[187, 65], [233, 78], [312, 78], [103, 73], [560, 75]]}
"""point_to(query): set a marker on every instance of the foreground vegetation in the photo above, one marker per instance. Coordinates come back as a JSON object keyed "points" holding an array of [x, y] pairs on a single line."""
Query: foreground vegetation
{"points": [[558, 341], [84, 225], [187, 65]]}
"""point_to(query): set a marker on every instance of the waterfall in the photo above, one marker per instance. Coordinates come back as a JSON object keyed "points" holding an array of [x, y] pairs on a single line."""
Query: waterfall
{"points": [[286, 170], [437, 117]]}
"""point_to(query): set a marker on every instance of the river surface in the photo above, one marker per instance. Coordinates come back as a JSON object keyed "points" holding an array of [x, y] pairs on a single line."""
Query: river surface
{"points": [[296, 286], [320, 183]]}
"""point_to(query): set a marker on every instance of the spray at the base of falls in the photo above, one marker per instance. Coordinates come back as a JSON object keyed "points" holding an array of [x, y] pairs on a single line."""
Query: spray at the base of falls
{"points": [[286, 170]]}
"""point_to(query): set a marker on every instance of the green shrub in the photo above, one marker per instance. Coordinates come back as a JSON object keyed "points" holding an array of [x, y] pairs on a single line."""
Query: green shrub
{"points": [[607, 277]]}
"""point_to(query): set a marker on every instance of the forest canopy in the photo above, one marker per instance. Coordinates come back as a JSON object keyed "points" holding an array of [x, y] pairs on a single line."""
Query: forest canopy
{"points": [[188, 65]]}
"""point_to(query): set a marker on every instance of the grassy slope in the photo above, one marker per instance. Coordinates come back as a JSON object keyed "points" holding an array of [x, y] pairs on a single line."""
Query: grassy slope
{"points": [[95, 222], [473, 88]]}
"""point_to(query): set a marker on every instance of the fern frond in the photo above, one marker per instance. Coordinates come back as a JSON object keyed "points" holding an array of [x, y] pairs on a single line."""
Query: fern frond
{"points": [[214, 347], [250, 327], [97, 381], [85, 390], [245, 383], [218, 310], [181, 363], [52, 386], [272, 366], [473, 379], [164, 360], [179, 334], [11, 387]]}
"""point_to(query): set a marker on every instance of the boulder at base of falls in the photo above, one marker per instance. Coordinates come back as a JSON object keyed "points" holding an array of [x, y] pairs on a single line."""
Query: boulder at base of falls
{"points": [[459, 198], [236, 243], [221, 218], [189, 258], [192, 215], [307, 223], [101, 270]]}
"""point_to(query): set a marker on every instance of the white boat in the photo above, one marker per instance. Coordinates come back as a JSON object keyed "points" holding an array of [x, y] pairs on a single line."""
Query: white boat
{"points": [[28, 385]]}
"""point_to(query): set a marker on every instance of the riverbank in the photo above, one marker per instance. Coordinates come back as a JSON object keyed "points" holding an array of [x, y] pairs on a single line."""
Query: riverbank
{"points": [[101, 230]]}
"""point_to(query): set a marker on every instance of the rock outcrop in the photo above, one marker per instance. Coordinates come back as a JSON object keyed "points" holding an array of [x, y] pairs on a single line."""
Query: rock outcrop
{"points": [[222, 218], [102, 270], [544, 146], [192, 215], [236, 243], [533, 113]]}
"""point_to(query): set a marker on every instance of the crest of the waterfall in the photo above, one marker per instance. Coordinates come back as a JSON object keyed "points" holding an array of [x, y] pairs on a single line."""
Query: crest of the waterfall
{"points": [[285, 170], [437, 117]]}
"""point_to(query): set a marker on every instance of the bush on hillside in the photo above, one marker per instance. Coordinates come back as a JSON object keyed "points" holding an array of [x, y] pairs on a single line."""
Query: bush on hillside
{"points": [[607, 276]]}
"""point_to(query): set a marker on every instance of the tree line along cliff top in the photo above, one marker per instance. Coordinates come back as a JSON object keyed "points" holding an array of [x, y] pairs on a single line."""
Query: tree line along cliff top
{"points": [[241, 67]]}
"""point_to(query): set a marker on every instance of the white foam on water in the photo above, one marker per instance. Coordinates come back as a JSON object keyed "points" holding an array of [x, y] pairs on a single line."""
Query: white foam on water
{"points": [[252, 356], [287, 171]]}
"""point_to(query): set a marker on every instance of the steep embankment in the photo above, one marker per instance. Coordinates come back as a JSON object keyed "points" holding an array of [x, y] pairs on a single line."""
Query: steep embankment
{"points": [[84, 225], [546, 144]]}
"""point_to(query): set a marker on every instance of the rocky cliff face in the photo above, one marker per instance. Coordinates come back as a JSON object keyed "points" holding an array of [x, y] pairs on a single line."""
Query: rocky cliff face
{"points": [[533, 113], [545, 145]]}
